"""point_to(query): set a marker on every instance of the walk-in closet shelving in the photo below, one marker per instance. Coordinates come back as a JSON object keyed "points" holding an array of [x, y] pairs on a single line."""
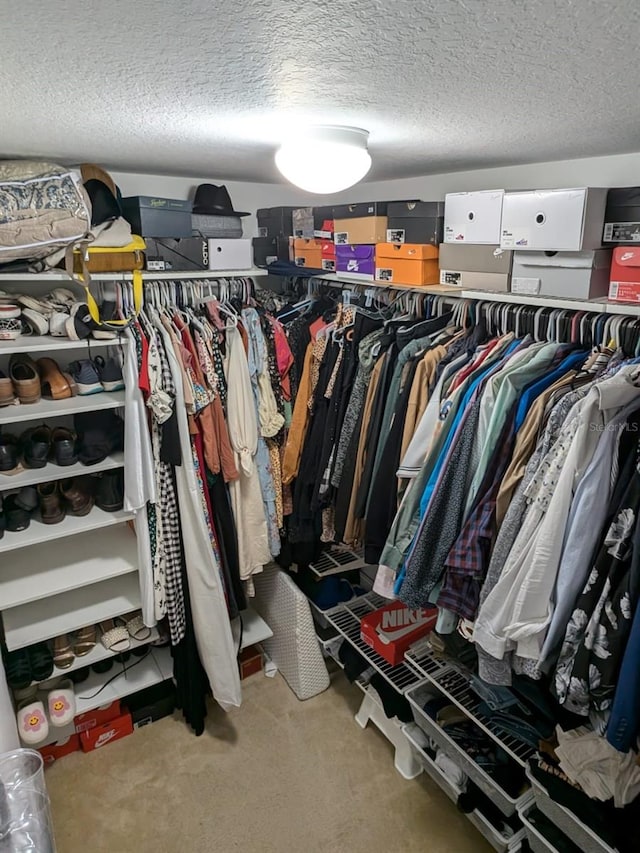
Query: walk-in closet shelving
{"points": [[46, 409], [51, 471], [54, 277]]}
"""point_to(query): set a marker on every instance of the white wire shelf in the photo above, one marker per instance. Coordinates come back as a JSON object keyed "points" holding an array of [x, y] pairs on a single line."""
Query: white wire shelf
{"points": [[454, 685], [48, 617], [334, 561], [44, 409], [51, 471], [346, 620]]}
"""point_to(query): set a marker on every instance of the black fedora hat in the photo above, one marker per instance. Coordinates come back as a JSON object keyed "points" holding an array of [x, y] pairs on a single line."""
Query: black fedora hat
{"points": [[215, 201]]}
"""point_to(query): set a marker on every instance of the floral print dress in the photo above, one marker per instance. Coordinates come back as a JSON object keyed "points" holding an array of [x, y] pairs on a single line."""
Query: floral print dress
{"points": [[586, 674]]}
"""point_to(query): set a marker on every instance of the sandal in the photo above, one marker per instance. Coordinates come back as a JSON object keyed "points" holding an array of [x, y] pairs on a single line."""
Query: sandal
{"points": [[84, 640], [135, 626], [63, 655], [114, 637]]}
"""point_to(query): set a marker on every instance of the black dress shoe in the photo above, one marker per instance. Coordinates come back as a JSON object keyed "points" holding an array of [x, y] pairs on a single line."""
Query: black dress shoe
{"points": [[36, 444], [110, 490], [8, 452], [63, 442]]}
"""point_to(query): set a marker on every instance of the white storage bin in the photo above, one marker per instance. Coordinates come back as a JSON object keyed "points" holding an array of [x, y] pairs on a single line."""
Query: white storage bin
{"points": [[418, 696], [567, 822], [496, 839], [230, 255], [537, 842], [473, 217], [553, 220]]}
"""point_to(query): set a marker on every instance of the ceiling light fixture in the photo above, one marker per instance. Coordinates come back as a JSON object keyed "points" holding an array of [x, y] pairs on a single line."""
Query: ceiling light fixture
{"points": [[325, 159]]}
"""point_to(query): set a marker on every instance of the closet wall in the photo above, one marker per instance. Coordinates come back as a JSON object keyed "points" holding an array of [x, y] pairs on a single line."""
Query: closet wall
{"points": [[615, 171]]}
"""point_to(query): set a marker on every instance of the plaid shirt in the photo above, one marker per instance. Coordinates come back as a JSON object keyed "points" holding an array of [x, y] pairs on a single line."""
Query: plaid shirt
{"points": [[468, 560]]}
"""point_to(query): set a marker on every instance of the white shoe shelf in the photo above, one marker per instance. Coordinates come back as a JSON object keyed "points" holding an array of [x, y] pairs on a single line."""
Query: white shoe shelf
{"points": [[51, 471], [45, 409], [58, 578]]}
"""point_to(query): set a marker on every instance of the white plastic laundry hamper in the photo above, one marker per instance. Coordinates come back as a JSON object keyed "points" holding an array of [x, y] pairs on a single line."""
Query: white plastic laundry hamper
{"points": [[294, 646]]}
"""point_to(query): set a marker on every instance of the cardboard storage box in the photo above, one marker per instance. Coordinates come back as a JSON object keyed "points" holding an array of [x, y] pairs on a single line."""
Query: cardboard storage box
{"points": [[476, 267], [302, 218], [473, 217], [267, 250], [415, 222], [323, 223], [407, 263], [230, 254], [393, 628], [622, 217], [53, 751], [360, 209], [106, 733], [187, 253], [158, 217], [365, 230], [625, 275], [328, 255], [151, 704], [307, 253], [97, 717], [554, 220], [275, 221], [572, 275], [356, 261]]}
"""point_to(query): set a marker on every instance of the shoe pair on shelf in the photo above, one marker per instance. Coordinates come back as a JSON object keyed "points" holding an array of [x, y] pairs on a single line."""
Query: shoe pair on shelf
{"points": [[29, 380], [37, 446], [61, 315], [59, 498], [52, 703], [92, 376], [78, 495]]}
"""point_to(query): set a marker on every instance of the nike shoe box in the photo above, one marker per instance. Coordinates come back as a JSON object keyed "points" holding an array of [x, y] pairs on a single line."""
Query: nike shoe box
{"points": [[53, 751], [393, 628], [107, 733], [97, 717]]}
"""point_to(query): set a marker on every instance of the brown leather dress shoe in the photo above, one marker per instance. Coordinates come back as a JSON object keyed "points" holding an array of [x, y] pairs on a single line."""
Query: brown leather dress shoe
{"points": [[7, 397], [51, 508], [24, 375], [54, 383], [78, 494]]}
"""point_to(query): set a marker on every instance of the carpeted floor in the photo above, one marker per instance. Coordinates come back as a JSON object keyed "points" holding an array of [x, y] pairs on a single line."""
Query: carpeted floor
{"points": [[275, 776]]}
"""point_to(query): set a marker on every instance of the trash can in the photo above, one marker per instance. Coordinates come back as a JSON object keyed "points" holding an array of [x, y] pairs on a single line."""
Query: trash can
{"points": [[25, 816]]}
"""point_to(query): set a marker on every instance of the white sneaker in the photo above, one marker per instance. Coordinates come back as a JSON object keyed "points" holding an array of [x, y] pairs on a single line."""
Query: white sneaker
{"points": [[58, 324], [36, 322]]}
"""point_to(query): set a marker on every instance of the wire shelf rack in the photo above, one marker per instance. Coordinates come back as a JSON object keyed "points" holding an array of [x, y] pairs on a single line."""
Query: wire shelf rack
{"points": [[346, 619], [336, 560]]}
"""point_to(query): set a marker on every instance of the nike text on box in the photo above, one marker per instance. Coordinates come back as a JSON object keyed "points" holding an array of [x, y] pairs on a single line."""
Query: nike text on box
{"points": [[393, 628]]}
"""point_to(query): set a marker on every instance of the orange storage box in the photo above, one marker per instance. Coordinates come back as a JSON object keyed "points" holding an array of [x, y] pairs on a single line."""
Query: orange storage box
{"points": [[307, 253], [407, 263]]}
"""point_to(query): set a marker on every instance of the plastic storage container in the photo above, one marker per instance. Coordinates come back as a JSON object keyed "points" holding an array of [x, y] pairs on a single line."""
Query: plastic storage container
{"points": [[567, 822], [25, 817]]}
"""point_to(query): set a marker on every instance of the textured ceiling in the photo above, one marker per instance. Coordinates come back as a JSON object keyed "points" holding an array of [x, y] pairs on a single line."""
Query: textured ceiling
{"points": [[200, 87]]}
